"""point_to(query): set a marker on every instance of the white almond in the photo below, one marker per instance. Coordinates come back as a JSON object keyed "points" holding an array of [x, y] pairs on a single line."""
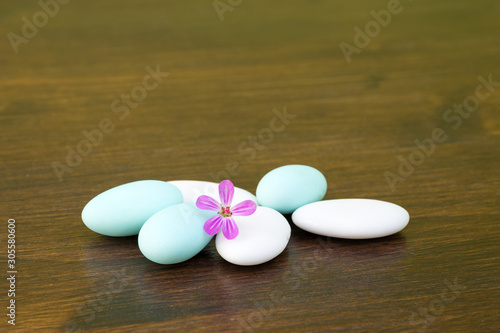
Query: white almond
{"points": [[192, 189], [351, 218], [262, 237]]}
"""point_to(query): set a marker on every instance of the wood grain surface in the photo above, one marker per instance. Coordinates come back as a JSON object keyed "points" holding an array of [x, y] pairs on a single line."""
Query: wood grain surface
{"points": [[408, 116]]}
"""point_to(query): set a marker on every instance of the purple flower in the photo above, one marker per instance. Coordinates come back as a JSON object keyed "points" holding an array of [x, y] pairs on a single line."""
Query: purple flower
{"points": [[224, 218]]}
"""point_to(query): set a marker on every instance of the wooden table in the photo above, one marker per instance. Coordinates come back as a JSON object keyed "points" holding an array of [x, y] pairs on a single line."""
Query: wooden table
{"points": [[370, 101]]}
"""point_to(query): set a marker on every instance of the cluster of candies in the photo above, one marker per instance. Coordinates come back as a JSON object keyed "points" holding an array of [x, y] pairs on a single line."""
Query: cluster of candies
{"points": [[175, 220]]}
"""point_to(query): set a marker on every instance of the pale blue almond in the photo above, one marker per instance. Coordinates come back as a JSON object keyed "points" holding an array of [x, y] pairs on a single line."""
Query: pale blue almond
{"points": [[123, 210], [291, 186], [175, 234]]}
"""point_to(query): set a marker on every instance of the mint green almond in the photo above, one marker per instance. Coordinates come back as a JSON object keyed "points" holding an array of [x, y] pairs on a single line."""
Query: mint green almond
{"points": [[123, 210], [291, 186], [175, 234]]}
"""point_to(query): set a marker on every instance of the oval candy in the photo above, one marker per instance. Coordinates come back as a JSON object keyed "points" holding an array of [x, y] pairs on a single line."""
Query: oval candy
{"points": [[351, 218], [291, 186], [192, 189], [122, 210], [175, 234], [262, 237]]}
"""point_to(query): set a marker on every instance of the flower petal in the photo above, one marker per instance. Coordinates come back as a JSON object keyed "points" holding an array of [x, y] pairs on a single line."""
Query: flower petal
{"points": [[244, 208], [229, 228], [207, 203], [213, 224], [226, 192]]}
